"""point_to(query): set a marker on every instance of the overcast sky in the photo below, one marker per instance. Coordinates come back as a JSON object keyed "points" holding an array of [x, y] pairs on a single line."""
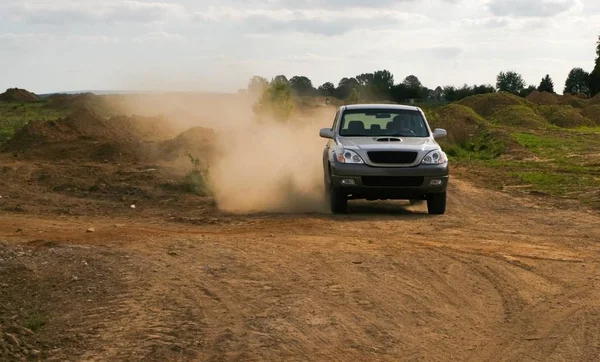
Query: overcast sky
{"points": [[62, 45]]}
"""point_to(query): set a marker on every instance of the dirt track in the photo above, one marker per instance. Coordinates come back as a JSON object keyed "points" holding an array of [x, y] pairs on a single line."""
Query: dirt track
{"points": [[497, 278]]}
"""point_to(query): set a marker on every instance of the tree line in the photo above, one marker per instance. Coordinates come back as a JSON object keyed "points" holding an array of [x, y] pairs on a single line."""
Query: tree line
{"points": [[380, 86]]}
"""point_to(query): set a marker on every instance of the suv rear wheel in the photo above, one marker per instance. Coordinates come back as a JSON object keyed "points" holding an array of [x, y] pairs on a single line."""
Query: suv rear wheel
{"points": [[436, 204]]}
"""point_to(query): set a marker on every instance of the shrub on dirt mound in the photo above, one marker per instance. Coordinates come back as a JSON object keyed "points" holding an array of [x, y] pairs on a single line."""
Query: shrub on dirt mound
{"points": [[459, 121], [487, 104], [565, 116], [545, 98], [519, 116], [593, 113], [18, 95]]}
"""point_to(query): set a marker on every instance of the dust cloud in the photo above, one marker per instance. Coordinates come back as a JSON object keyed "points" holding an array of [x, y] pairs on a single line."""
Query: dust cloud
{"points": [[258, 166]]}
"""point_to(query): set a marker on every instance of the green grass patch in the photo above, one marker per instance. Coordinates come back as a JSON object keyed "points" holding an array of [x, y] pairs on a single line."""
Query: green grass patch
{"points": [[14, 115], [482, 146], [559, 184], [545, 145], [35, 322]]}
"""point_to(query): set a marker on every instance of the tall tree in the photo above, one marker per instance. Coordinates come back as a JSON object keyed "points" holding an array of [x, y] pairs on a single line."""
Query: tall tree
{"points": [[526, 91], [412, 82], [327, 89], [301, 85], [577, 82], [345, 86], [280, 78], [510, 82], [595, 74], [257, 85], [546, 85], [365, 79], [276, 101], [383, 81]]}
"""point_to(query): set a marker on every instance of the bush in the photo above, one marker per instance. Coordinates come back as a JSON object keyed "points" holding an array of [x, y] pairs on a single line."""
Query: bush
{"points": [[196, 181]]}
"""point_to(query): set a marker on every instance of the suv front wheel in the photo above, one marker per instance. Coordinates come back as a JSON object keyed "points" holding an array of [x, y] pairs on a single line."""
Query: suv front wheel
{"points": [[436, 204], [336, 198]]}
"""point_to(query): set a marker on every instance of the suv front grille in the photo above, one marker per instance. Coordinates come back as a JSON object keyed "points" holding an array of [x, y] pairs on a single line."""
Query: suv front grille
{"points": [[392, 157], [392, 181]]}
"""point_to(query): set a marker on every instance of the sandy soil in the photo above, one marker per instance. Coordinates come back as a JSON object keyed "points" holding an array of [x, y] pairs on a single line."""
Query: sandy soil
{"points": [[496, 278]]}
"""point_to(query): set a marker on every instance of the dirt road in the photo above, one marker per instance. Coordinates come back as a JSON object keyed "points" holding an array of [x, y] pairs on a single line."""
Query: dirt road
{"points": [[497, 278]]}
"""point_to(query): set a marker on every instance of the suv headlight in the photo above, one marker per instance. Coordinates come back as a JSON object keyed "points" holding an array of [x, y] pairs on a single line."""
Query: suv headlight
{"points": [[347, 156], [435, 157]]}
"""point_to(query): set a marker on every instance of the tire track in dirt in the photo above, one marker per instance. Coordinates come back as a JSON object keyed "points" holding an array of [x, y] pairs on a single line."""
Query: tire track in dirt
{"points": [[490, 280]]}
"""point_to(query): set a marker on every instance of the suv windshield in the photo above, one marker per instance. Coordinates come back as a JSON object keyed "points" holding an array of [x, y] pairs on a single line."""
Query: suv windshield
{"points": [[383, 122]]}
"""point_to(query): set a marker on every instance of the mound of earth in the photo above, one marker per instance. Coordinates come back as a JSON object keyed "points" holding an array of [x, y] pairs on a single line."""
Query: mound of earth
{"points": [[565, 116], [593, 113], [519, 116], [199, 142], [544, 98], [65, 101], [18, 95], [86, 136], [576, 101], [459, 121], [487, 104], [595, 100]]}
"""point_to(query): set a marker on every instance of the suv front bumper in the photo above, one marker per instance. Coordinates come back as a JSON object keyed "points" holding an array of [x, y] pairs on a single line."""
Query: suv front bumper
{"points": [[367, 182]]}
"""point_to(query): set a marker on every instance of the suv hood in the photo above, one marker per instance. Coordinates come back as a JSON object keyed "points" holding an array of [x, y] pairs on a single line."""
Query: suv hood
{"points": [[372, 143]]}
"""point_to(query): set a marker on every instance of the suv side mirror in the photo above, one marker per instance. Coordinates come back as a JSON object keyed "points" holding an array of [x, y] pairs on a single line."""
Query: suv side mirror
{"points": [[326, 133], [439, 133]]}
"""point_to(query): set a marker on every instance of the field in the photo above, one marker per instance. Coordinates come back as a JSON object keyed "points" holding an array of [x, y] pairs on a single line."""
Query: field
{"points": [[177, 228]]}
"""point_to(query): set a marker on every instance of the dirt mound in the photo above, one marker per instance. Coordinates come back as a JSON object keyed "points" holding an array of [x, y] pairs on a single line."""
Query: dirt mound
{"points": [[595, 100], [199, 142], [565, 116], [487, 104], [459, 121], [544, 98], [62, 101], [18, 95], [84, 135], [593, 113], [576, 101], [519, 116]]}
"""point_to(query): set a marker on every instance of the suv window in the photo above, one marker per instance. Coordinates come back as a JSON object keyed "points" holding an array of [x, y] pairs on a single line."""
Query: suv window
{"points": [[383, 122]]}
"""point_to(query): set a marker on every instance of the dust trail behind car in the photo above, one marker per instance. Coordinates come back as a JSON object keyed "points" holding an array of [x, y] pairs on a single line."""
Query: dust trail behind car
{"points": [[261, 165]]}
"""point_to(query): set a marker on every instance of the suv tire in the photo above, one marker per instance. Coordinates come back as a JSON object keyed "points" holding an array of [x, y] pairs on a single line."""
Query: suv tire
{"points": [[436, 204], [338, 201]]}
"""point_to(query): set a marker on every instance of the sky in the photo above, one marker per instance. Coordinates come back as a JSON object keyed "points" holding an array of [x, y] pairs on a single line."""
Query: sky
{"points": [[199, 45]]}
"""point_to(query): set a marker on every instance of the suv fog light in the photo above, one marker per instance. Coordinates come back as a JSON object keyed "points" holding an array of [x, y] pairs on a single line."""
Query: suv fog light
{"points": [[435, 182], [348, 181]]}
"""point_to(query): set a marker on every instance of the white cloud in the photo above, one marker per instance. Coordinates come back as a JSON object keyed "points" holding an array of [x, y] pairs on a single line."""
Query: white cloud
{"points": [[529, 8], [90, 43], [65, 11], [314, 21]]}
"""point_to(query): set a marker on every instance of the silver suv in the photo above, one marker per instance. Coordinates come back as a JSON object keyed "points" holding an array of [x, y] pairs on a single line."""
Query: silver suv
{"points": [[381, 152]]}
